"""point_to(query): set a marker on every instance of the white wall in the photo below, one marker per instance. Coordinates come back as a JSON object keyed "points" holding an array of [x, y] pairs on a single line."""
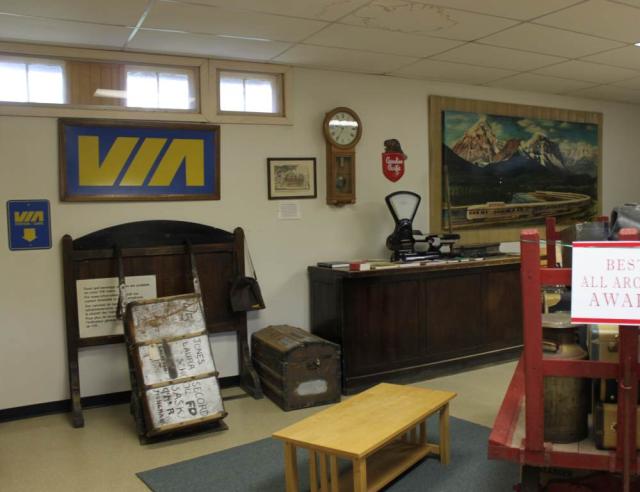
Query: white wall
{"points": [[33, 349]]}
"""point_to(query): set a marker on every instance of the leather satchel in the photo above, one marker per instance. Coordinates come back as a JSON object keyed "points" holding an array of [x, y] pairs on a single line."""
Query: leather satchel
{"points": [[245, 294]]}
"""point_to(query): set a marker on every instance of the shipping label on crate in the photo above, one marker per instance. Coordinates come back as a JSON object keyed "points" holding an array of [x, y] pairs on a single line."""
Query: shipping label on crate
{"points": [[605, 284], [165, 318], [184, 402], [176, 359]]}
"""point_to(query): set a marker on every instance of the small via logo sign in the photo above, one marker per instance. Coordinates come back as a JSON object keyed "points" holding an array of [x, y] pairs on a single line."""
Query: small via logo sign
{"points": [[393, 165], [29, 224]]}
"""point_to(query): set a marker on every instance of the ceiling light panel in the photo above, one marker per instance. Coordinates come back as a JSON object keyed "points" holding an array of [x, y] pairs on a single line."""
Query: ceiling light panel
{"points": [[199, 19], [427, 20]]}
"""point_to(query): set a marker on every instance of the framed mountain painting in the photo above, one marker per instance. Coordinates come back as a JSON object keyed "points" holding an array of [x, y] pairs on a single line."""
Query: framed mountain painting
{"points": [[496, 168]]}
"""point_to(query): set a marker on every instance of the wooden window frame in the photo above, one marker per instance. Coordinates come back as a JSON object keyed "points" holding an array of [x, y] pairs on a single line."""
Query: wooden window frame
{"points": [[207, 108]]}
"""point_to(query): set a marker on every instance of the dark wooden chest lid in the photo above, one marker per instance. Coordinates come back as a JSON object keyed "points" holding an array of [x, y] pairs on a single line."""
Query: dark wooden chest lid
{"points": [[286, 338]]}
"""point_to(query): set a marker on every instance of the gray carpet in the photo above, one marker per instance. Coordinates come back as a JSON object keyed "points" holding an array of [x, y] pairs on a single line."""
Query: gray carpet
{"points": [[259, 467]]}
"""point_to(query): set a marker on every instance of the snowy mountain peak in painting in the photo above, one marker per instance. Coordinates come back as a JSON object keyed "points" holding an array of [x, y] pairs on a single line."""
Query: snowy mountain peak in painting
{"points": [[478, 145], [544, 151]]}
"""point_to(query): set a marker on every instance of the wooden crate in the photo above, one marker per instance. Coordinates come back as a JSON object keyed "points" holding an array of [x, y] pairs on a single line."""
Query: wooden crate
{"points": [[296, 369], [174, 378]]}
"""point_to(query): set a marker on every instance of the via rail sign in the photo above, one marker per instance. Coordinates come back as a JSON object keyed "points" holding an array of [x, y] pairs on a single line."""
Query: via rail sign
{"points": [[130, 160], [29, 224]]}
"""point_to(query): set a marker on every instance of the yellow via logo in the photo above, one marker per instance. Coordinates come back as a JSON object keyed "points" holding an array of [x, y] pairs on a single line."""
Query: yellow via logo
{"points": [[27, 217], [92, 172]]}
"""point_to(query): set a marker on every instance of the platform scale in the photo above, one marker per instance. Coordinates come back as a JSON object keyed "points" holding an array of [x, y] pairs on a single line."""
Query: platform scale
{"points": [[518, 430]]}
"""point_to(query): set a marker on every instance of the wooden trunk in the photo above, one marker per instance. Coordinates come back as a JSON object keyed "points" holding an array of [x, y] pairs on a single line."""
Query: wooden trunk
{"points": [[296, 369]]}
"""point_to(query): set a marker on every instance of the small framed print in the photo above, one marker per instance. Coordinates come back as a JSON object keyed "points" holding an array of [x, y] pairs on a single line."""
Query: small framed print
{"points": [[291, 177]]}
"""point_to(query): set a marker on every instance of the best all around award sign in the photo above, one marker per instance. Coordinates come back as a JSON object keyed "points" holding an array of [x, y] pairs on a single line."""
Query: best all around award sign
{"points": [[606, 282]]}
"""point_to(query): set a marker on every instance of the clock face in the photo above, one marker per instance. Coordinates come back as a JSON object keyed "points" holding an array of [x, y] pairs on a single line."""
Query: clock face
{"points": [[343, 128]]}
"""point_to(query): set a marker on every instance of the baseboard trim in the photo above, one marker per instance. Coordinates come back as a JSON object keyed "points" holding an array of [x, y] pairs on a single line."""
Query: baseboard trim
{"points": [[62, 406]]}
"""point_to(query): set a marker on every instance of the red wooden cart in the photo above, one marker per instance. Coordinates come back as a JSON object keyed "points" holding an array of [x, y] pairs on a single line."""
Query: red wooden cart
{"points": [[518, 430]]}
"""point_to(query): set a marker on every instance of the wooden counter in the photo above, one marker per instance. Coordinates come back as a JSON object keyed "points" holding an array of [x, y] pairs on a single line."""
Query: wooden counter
{"points": [[411, 323]]}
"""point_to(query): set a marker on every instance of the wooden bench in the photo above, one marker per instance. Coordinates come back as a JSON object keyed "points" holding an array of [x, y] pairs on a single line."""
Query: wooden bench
{"points": [[382, 431]]}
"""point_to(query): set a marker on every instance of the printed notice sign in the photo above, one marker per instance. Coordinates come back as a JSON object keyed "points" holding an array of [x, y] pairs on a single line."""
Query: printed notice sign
{"points": [[98, 300], [606, 282]]}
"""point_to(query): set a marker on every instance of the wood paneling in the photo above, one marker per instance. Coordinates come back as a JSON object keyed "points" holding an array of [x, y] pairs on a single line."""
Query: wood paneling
{"points": [[83, 78], [393, 324]]}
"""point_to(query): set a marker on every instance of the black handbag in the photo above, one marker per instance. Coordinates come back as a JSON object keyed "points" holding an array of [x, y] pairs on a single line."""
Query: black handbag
{"points": [[245, 294]]}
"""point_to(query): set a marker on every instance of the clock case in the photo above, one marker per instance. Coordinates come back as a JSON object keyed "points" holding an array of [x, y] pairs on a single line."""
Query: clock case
{"points": [[341, 162]]}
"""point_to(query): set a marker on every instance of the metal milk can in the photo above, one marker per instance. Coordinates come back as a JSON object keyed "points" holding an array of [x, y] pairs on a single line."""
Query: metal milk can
{"points": [[566, 400]]}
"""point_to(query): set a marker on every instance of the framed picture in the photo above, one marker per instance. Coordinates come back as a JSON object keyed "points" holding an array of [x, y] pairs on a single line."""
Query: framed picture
{"points": [[125, 160], [496, 168], [291, 177]]}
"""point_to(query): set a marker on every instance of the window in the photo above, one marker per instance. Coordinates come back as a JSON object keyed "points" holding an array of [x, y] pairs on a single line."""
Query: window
{"points": [[31, 81], [149, 88], [247, 92]]}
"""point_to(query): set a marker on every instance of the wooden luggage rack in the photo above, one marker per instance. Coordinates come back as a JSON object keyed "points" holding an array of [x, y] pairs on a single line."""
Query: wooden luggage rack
{"points": [[518, 431], [157, 247]]}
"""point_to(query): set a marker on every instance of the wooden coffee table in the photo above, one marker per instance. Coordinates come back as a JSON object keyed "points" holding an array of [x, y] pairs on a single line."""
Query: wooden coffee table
{"points": [[382, 431]]}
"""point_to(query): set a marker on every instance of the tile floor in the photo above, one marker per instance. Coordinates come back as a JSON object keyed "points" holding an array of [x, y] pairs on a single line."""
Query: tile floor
{"points": [[47, 454]]}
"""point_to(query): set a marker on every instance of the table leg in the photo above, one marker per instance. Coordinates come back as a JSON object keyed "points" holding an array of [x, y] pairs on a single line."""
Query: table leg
{"points": [[360, 475], [290, 467], [313, 471], [444, 435], [324, 477], [335, 476], [423, 432]]}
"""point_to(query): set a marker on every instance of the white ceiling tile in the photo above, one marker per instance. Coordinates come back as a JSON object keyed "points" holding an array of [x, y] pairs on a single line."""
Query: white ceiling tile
{"points": [[205, 45], [117, 12], [329, 10], [589, 72], [18, 28], [341, 59], [381, 41], [417, 18], [627, 57], [514, 9], [633, 3], [609, 93], [539, 83], [454, 72], [628, 84], [492, 56], [199, 19], [598, 18], [541, 39]]}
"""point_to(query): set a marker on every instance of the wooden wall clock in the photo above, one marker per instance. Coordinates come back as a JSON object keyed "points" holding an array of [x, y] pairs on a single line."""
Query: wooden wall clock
{"points": [[342, 131]]}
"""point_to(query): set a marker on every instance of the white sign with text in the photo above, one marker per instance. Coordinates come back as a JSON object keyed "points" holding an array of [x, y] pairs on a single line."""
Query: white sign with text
{"points": [[98, 300], [605, 280]]}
